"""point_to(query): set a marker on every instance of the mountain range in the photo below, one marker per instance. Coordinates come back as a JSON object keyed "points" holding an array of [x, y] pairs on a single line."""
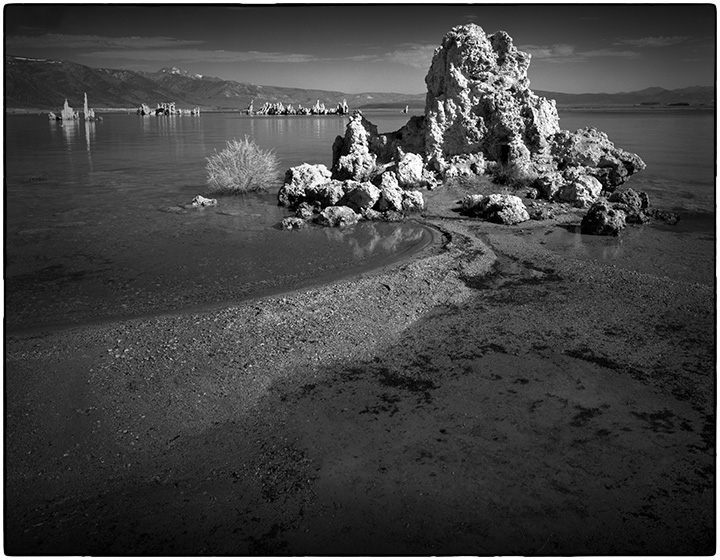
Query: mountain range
{"points": [[33, 83]]}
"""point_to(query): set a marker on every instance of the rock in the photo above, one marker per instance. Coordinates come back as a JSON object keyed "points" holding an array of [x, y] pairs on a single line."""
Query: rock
{"points": [[581, 192], [541, 213], [304, 211], [410, 171], [499, 208], [644, 200], [549, 185], [413, 201], [353, 156], [333, 216], [479, 101], [361, 197], [470, 202], [293, 223], [603, 219], [671, 218], [201, 201], [628, 200], [325, 194], [591, 149], [298, 179], [390, 193]]}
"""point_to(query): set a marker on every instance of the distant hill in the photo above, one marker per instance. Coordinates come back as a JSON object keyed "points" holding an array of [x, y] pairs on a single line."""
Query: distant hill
{"points": [[695, 96], [32, 83]]}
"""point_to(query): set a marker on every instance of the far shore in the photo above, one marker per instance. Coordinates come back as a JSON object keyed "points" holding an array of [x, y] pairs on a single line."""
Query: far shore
{"points": [[487, 396], [413, 110]]}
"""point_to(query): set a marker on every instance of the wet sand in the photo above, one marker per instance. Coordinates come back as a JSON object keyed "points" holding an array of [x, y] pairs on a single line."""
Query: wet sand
{"points": [[492, 395]]}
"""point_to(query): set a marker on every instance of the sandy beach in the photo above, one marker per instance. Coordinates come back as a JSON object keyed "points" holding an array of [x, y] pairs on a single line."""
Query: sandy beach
{"points": [[486, 396]]}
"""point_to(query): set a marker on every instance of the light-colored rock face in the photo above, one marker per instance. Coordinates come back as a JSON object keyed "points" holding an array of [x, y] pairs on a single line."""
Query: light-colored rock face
{"points": [[337, 216], [298, 179], [353, 154], [478, 100], [499, 208]]}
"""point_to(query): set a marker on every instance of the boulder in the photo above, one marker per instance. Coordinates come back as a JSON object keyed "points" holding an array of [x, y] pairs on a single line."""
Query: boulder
{"points": [[413, 201], [628, 200], [293, 223], [581, 192], [325, 194], [591, 149], [499, 208], [410, 171], [200, 201], [390, 193], [603, 219], [361, 197], [298, 179], [333, 216], [304, 211]]}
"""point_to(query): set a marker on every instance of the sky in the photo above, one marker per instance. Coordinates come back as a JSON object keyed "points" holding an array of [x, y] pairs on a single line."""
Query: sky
{"points": [[575, 48]]}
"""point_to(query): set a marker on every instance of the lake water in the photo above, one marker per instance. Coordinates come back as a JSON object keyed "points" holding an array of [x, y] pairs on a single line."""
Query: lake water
{"points": [[95, 228]]}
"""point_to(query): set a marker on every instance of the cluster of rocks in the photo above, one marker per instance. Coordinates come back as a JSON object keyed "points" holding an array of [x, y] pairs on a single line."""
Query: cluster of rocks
{"points": [[481, 120]]}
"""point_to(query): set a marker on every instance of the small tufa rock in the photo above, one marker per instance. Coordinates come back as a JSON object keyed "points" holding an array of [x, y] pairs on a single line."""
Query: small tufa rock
{"points": [[340, 216], [413, 201], [298, 179], [362, 197], [603, 219], [304, 211], [499, 208], [293, 223], [581, 192], [629, 200], [200, 202]]}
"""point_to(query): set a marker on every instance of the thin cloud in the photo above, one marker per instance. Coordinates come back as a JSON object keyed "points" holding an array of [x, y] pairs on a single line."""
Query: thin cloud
{"points": [[653, 41], [198, 55], [57, 40], [415, 55], [564, 53]]}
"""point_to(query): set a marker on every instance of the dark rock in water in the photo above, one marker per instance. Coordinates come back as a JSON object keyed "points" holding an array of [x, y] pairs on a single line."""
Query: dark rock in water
{"points": [[333, 216], [628, 200], [603, 219], [671, 218]]}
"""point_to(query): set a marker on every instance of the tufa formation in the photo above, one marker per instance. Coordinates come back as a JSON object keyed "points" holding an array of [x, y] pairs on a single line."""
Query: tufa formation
{"points": [[481, 119]]}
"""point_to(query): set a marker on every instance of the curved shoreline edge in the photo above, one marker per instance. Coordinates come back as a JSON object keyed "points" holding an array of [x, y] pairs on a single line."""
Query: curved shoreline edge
{"points": [[596, 379]]}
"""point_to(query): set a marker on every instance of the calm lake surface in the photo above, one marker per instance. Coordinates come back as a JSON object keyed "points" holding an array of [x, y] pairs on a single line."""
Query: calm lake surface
{"points": [[95, 227]]}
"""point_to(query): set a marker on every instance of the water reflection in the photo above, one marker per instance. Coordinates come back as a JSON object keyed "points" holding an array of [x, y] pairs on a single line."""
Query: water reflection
{"points": [[368, 239], [570, 241], [70, 132]]}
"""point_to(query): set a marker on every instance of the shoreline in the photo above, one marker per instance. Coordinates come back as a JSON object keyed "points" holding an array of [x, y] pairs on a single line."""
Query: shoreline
{"points": [[478, 391]]}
